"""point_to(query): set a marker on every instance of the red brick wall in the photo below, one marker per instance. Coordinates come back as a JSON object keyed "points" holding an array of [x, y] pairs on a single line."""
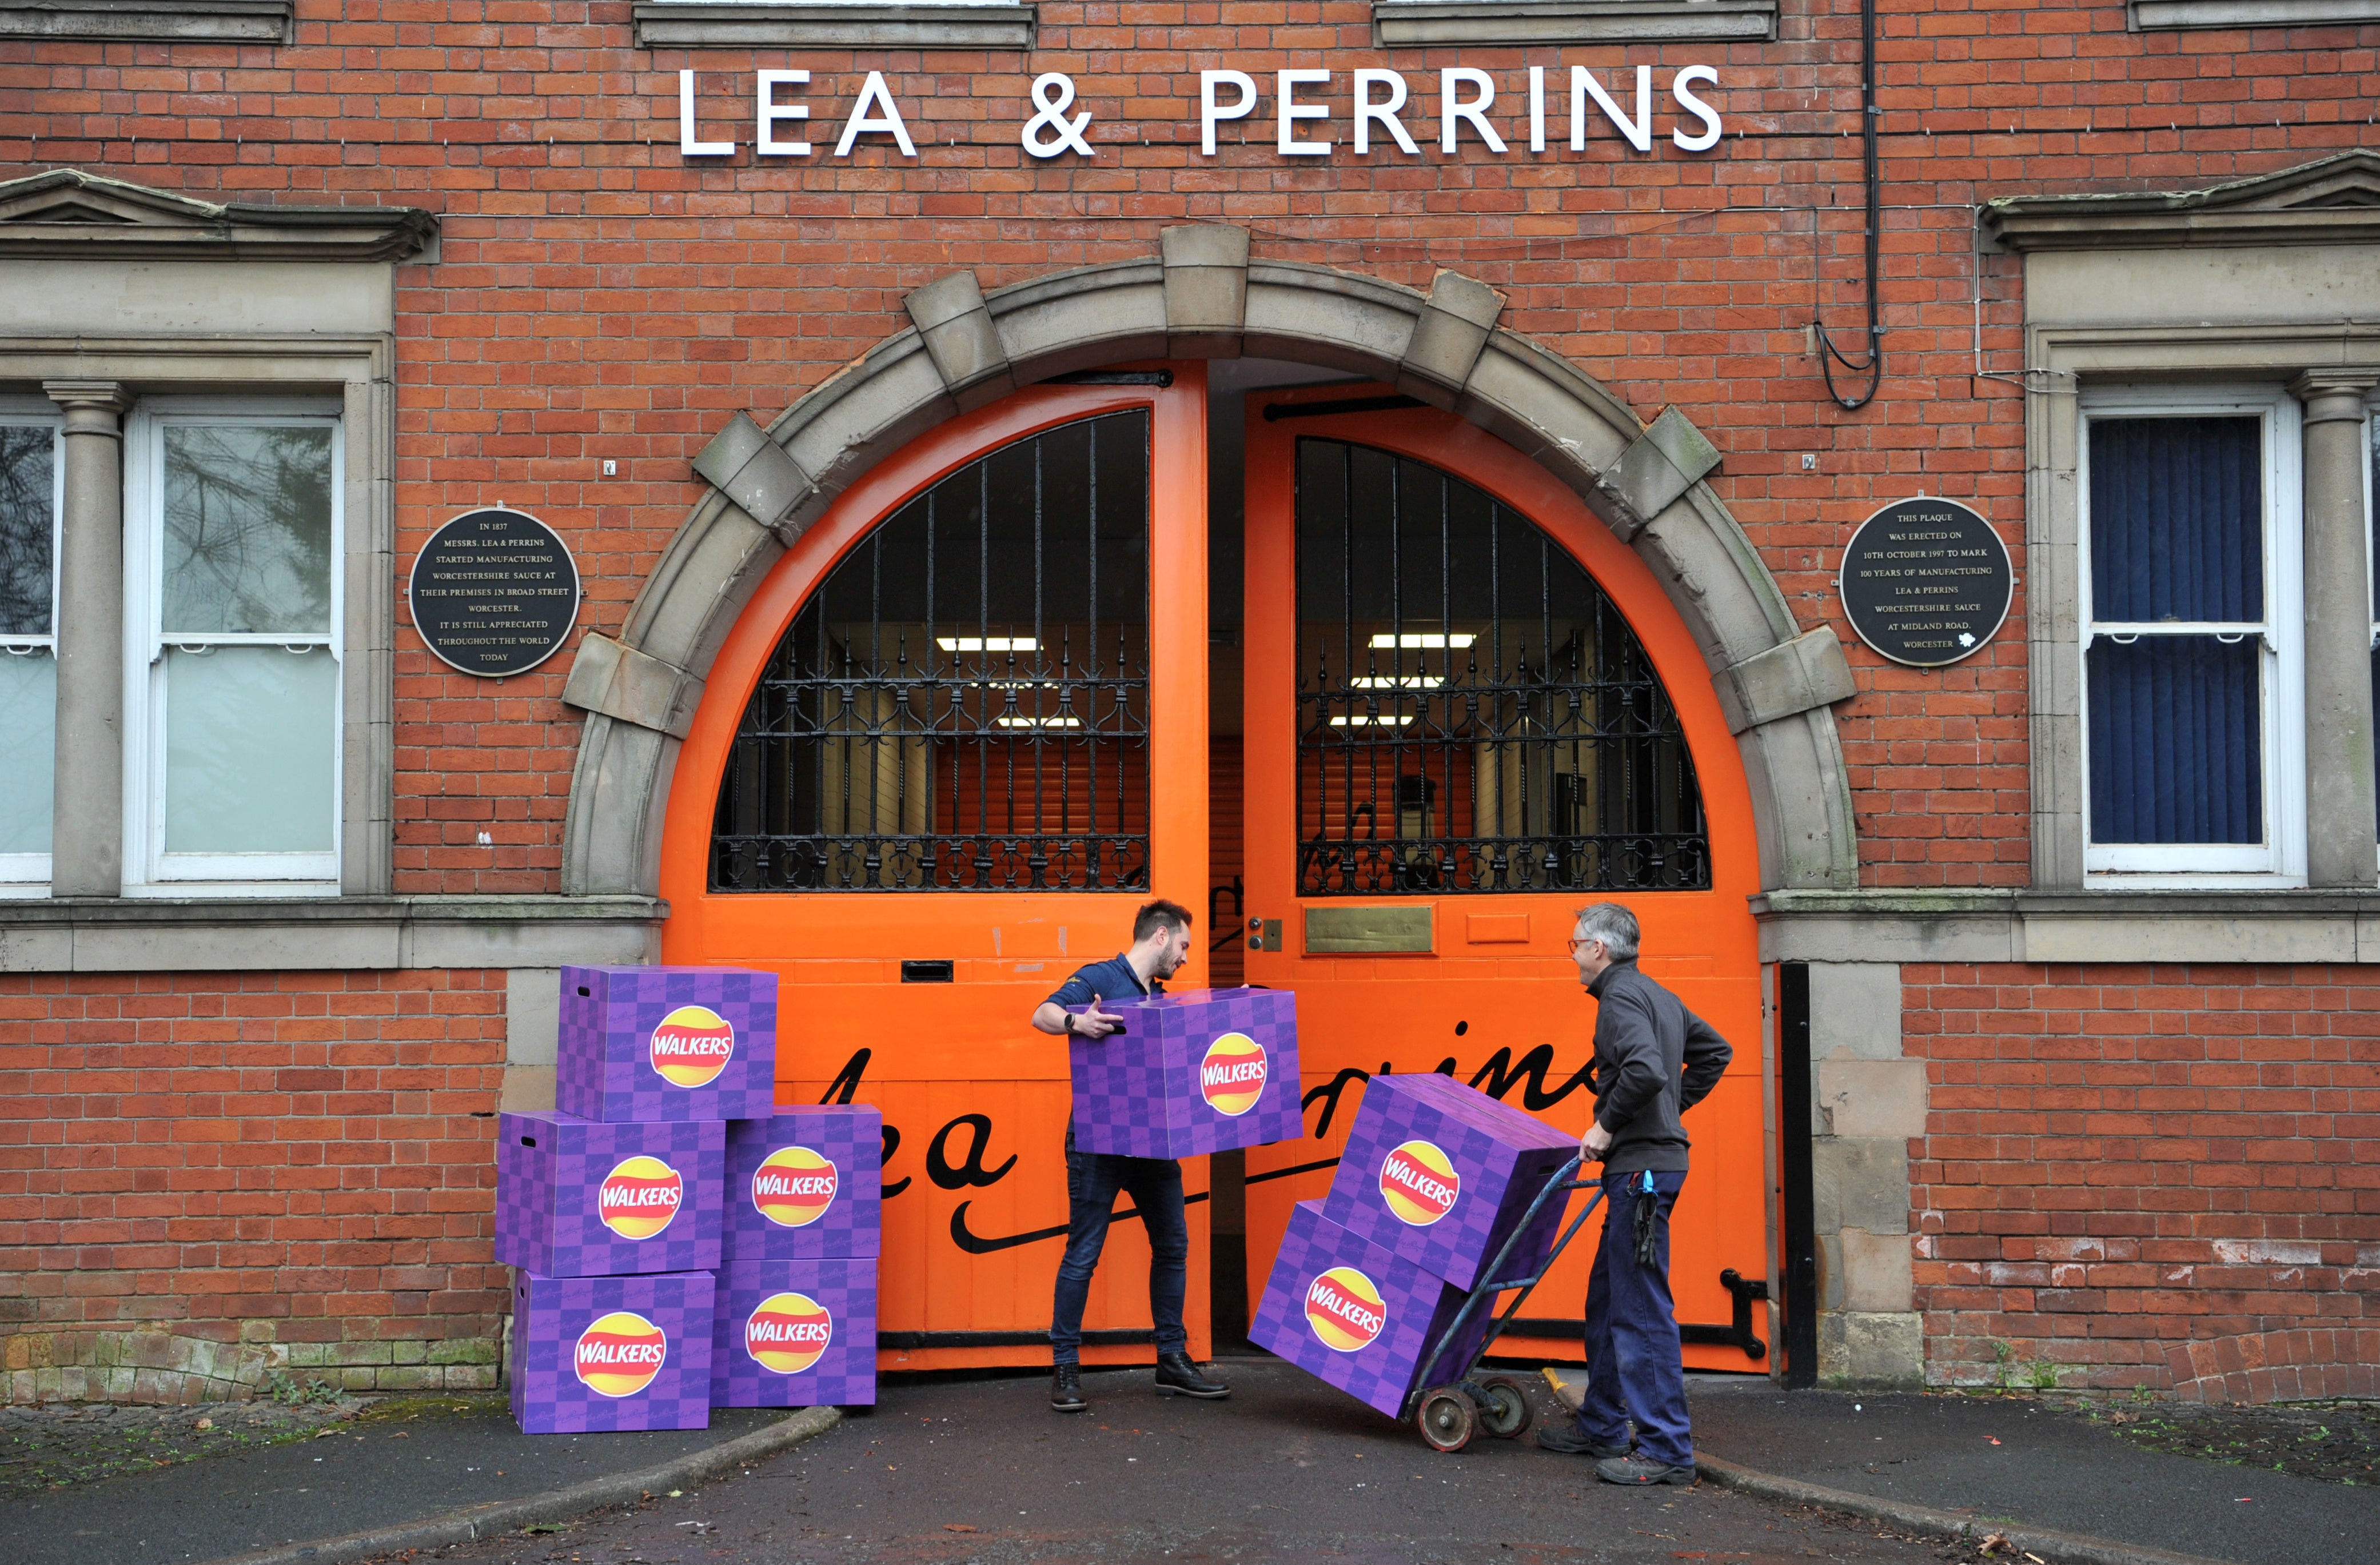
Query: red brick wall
{"points": [[2123, 1162], [206, 1178], [598, 296]]}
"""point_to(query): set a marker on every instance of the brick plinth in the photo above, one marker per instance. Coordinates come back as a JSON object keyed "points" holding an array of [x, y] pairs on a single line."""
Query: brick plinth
{"points": [[2149, 1176], [207, 1180]]}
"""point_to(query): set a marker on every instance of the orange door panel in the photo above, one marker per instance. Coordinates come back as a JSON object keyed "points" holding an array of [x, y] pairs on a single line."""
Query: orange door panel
{"points": [[974, 1100], [1494, 999]]}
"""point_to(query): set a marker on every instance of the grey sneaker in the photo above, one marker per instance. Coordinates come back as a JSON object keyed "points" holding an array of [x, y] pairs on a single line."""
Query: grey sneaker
{"points": [[1642, 1470], [1571, 1441]]}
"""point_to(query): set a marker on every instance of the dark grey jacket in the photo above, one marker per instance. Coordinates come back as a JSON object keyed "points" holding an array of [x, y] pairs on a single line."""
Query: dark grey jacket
{"points": [[1654, 1060]]}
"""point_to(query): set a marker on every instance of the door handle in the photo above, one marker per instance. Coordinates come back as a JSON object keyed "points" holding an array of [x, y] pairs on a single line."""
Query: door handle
{"points": [[1264, 934]]}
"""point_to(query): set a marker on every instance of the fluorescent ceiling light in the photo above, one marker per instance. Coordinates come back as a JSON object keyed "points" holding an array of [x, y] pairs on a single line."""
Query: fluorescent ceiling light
{"points": [[1369, 722], [988, 643], [1398, 682], [1039, 721], [1411, 642]]}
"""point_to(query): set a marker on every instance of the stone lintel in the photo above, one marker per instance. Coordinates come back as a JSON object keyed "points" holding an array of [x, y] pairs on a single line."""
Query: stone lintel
{"points": [[1448, 339], [1668, 459], [745, 465], [1785, 681], [1206, 288], [959, 338], [631, 687]]}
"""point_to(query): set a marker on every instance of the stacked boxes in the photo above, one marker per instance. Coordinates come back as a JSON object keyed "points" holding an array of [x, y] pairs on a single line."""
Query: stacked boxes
{"points": [[611, 1206], [1435, 1178], [797, 1320], [1202, 1071]]}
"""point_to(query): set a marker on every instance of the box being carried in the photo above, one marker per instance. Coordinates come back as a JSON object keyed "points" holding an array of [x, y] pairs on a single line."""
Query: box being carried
{"points": [[611, 1352], [1202, 1071], [666, 1043], [580, 1199], [806, 1183], [1441, 1173], [796, 1334], [1351, 1312]]}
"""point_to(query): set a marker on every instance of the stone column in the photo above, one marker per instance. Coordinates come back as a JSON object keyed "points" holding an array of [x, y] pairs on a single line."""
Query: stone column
{"points": [[2341, 841], [87, 835]]}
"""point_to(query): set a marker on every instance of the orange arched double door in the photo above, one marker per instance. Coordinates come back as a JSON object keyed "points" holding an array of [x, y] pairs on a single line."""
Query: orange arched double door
{"points": [[962, 732]]}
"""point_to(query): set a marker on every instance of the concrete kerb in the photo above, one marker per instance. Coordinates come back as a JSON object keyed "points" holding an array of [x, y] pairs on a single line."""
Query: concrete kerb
{"points": [[2059, 1548], [557, 1505]]}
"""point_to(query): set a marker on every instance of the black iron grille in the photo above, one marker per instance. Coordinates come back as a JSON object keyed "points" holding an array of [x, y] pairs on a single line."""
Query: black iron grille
{"points": [[1474, 714], [963, 703]]}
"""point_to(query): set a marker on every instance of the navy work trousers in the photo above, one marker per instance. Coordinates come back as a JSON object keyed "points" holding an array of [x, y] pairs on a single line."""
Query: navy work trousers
{"points": [[1634, 1369], [1093, 1180]]}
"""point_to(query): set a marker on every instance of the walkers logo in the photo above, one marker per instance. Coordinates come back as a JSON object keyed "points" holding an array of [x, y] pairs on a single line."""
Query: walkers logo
{"points": [[788, 1332], [793, 1187], [639, 1197], [692, 1046], [1344, 1309], [1418, 1182], [619, 1356], [1233, 1074]]}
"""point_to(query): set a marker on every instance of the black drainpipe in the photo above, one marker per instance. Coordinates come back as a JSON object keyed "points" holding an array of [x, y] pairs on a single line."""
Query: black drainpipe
{"points": [[1799, 1261], [1828, 354]]}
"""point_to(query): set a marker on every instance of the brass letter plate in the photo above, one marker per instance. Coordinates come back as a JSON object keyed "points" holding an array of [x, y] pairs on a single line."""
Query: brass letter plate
{"points": [[1369, 931]]}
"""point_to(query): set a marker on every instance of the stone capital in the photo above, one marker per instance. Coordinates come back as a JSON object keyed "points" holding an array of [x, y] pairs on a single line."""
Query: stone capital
{"points": [[93, 408], [2336, 396]]}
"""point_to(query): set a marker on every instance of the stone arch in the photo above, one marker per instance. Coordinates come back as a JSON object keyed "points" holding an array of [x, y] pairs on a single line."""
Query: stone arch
{"points": [[1202, 296]]}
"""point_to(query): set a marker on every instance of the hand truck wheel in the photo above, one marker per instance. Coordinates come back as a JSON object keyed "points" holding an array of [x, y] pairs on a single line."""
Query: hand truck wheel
{"points": [[1504, 1409], [1446, 1418]]}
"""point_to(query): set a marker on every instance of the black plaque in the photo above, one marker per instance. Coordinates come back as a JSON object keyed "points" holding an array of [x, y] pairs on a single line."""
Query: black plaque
{"points": [[494, 592], [1926, 582]]}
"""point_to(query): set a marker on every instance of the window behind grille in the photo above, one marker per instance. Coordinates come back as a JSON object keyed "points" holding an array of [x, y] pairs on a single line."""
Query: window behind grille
{"points": [[1474, 714], [963, 703]]}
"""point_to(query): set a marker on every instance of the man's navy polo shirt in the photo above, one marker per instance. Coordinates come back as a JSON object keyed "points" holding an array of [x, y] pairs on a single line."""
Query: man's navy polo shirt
{"points": [[1112, 980]]}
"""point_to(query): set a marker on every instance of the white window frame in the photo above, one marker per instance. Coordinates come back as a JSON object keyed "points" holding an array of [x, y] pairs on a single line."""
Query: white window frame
{"points": [[149, 870], [28, 874], [2280, 858]]}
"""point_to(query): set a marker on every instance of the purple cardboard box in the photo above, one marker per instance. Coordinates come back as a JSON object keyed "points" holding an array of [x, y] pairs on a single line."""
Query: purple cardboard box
{"points": [[1340, 1307], [1441, 1173], [667, 1043], [1202, 1071], [796, 1334], [806, 1183], [611, 1352], [580, 1199]]}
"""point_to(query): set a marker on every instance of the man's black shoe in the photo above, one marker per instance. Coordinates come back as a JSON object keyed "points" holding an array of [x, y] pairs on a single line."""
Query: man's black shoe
{"points": [[1571, 1441], [1067, 1388], [1176, 1375]]}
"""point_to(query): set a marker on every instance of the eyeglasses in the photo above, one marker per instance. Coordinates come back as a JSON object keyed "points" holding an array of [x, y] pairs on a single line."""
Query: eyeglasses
{"points": [[1576, 942]]}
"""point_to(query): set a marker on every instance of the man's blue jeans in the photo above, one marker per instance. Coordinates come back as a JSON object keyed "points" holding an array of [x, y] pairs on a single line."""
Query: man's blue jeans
{"points": [[1093, 1180], [1634, 1368]]}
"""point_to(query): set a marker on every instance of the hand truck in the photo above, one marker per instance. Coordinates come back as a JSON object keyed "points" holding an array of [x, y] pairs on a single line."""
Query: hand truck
{"points": [[1449, 1412]]}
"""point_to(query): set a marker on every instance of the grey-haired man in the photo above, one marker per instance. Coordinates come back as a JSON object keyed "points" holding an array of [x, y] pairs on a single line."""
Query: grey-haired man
{"points": [[1654, 1060]]}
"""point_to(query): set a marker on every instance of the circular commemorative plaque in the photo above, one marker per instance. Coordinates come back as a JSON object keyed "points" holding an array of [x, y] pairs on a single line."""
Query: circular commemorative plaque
{"points": [[1926, 582], [494, 592]]}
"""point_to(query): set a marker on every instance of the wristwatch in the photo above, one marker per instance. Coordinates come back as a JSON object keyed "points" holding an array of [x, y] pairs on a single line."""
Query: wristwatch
{"points": [[1070, 1024]]}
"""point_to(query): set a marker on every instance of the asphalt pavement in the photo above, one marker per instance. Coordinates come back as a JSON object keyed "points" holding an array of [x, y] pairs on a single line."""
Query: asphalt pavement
{"points": [[2014, 1459], [421, 1458], [1288, 1469], [952, 1469]]}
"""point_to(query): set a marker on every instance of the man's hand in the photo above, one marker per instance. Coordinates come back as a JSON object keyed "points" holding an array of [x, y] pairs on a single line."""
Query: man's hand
{"points": [[1095, 1023], [1595, 1143]]}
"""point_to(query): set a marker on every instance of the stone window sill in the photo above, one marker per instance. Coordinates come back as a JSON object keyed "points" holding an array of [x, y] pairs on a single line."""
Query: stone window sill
{"points": [[976, 24], [1422, 23], [141, 934], [214, 22], [2146, 16]]}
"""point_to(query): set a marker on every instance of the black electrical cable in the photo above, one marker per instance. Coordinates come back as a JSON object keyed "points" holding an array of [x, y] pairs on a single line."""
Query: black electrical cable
{"points": [[1829, 355]]}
